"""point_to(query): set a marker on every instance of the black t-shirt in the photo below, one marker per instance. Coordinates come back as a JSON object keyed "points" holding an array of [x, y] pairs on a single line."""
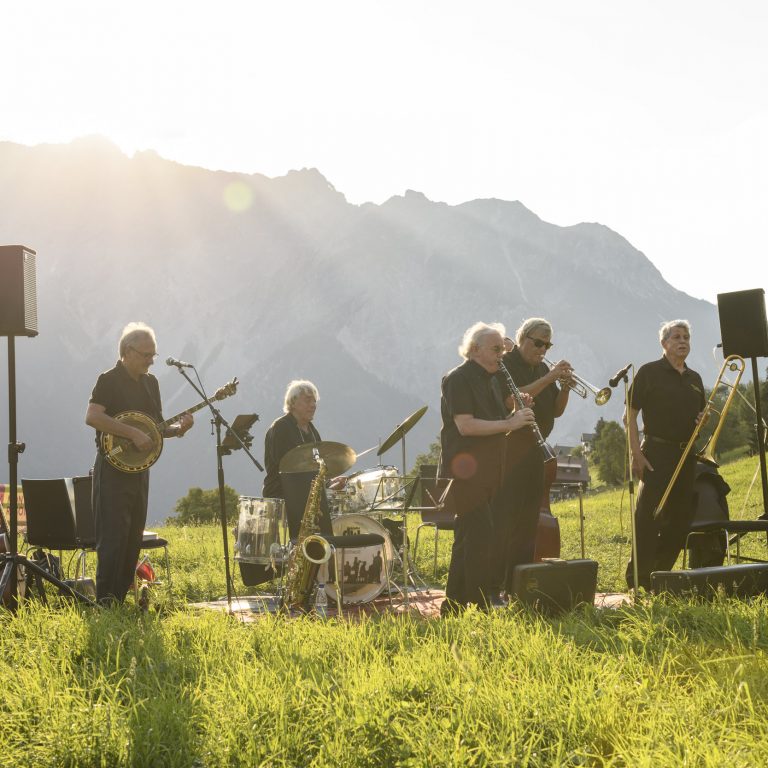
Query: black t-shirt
{"points": [[283, 435], [117, 391], [467, 389], [669, 400], [523, 375]]}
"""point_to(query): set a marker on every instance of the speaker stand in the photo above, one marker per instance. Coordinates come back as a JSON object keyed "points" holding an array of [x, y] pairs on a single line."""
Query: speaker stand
{"points": [[760, 437], [10, 561]]}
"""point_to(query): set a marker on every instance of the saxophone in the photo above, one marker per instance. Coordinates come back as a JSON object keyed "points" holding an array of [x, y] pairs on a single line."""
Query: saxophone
{"points": [[310, 550]]}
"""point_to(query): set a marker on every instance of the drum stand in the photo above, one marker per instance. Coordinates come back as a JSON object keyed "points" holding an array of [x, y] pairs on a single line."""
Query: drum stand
{"points": [[235, 438], [410, 575]]}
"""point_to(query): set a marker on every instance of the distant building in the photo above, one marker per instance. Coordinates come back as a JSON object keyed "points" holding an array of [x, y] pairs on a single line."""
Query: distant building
{"points": [[572, 475], [587, 441], [563, 450]]}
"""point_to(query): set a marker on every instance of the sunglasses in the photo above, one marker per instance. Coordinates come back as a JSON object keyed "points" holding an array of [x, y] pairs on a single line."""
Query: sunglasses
{"points": [[539, 343]]}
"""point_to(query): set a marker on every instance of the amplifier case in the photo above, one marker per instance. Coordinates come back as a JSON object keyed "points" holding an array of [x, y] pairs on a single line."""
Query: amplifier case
{"points": [[555, 585]]}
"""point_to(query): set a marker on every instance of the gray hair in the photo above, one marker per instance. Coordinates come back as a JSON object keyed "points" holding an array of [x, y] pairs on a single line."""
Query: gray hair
{"points": [[295, 390], [132, 333], [474, 333], [666, 328], [530, 325]]}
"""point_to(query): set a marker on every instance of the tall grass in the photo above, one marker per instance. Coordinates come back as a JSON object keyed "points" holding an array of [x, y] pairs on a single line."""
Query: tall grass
{"points": [[662, 683]]}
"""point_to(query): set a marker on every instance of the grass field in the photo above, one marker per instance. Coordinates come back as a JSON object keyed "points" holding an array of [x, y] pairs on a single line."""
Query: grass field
{"points": [[661, 683]]}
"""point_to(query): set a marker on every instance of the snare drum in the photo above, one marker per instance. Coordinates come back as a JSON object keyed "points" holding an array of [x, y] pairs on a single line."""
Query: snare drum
{"points": [[363, 568], [378, 486], [260, 528]]}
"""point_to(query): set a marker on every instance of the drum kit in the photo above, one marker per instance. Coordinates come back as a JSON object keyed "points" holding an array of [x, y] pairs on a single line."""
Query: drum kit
{"points": [[360, 503]]}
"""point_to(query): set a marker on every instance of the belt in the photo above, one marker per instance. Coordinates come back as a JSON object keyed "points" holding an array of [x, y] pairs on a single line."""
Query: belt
{"points": [[663, 441]]}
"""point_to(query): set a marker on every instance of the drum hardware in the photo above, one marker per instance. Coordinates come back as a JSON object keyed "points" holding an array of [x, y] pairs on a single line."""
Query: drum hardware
{"points": [[398, 434], [582, 387], [338, 458]]}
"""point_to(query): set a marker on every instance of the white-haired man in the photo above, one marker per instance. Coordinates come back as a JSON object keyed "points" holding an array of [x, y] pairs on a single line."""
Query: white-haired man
{"points": [[671, 398], [474, 422], [120, 498], [294, 428]]}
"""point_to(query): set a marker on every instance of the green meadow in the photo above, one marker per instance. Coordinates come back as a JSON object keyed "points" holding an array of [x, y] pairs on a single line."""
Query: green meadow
{"points": [[664, 682]]}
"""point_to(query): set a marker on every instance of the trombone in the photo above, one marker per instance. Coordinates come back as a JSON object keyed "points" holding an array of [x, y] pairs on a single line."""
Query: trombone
{"points": [[581, 387], [707, 454]]}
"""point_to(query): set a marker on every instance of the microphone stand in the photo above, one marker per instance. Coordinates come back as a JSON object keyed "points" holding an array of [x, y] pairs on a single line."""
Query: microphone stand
{"points": [[218, 420], [625, 378]]}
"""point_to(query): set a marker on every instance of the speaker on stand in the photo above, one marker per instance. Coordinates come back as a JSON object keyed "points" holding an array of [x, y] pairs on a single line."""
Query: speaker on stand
{"points": [[18, 317], [744, 332]]}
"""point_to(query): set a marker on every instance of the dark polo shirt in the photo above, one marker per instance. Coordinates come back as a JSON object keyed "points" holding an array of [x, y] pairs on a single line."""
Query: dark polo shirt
{"points": [[467, 389], [669, 401], [117, 391], [283, 435], [523, 375]]}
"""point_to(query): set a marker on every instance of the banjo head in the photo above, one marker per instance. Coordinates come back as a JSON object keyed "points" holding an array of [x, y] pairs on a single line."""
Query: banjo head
{"points": [[122, 454]]}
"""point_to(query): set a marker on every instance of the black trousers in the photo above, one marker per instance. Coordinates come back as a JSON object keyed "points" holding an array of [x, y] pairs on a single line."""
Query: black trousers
{"points": [[120, 514], [469, 574], [660, 541], [515, 518]]}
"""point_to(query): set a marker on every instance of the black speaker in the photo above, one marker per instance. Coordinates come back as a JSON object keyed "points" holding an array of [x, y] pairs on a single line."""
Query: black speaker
{"points": [[18, 291], [743, 327], [742, 580], [555, 585]]}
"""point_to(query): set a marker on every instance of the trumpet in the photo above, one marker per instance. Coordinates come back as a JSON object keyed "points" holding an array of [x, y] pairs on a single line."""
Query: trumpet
{"points": [[581, 387]]}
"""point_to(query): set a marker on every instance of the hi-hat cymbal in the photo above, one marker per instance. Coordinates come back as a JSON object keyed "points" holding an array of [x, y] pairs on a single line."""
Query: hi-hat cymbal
{"points": [[338, 458], [401, 430]]}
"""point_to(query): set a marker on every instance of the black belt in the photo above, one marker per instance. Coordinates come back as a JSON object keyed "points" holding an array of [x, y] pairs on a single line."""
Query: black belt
{"points": [[663, 441]]}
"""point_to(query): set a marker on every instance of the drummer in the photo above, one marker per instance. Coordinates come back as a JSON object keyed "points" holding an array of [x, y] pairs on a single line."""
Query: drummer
{"points": [[292, 429]]}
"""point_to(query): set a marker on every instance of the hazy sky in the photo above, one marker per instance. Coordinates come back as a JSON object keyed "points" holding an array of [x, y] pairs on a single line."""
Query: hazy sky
{"points": [[650, 117]]}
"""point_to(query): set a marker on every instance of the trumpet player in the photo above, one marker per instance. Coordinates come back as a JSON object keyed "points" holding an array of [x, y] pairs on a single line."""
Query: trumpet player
{"points": [[516, 506], [671, 398]]}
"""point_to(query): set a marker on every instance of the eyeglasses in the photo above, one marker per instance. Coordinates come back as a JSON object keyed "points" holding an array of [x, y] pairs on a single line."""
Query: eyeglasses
{"points": [[145, 355], [539, 343]]}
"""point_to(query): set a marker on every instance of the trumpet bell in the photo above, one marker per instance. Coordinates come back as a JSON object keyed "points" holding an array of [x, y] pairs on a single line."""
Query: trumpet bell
{"points": [[603, 396]]}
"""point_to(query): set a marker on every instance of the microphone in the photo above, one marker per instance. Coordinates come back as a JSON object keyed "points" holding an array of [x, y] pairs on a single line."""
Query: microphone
{"points": [[180, 363], [614, 381]]}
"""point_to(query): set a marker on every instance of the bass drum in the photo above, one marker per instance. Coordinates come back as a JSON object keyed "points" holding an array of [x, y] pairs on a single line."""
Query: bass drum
{"points": [[364, 569]]}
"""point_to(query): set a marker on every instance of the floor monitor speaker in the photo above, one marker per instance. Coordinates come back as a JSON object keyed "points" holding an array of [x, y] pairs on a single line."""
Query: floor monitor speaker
{"points": [[742, 580]]}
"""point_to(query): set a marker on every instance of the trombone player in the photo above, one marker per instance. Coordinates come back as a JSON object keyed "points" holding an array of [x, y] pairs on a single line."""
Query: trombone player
{"points": [[671, 398]]}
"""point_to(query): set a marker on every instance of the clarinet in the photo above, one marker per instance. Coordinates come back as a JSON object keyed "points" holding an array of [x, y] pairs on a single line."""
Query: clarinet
{"points": [[546, 452]]}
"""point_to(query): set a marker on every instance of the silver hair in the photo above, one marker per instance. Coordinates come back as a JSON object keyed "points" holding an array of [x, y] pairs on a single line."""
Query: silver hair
{"points": [[474, 333], [666, 328], [295, 390], [530, 325], [132, 333]]}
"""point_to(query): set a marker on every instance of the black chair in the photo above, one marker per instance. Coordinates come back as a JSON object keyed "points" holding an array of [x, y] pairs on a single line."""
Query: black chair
{"points": [[50, 515], [83, 487], [434, 512]]}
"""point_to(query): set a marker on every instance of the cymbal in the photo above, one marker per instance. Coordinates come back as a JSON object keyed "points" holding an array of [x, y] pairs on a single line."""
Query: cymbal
{"points": [[401, 430], [338, 458]]}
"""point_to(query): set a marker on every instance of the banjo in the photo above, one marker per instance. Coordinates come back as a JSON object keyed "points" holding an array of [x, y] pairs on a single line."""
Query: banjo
{"points": [[122, 454]]}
